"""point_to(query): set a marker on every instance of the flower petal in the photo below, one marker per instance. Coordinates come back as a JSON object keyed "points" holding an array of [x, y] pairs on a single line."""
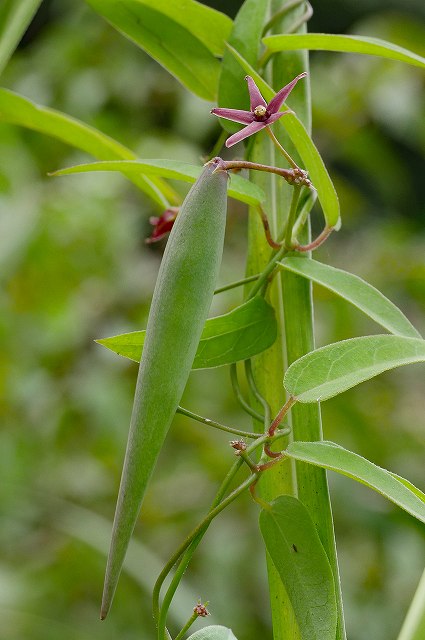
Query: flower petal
{"points": [[276, 102], [276, 116], [162, 224], [255, 97], [244, 117], [249, 130]]}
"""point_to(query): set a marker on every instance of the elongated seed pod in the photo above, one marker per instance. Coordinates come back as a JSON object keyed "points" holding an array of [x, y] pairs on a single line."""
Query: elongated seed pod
{"points": [[180, 304]]}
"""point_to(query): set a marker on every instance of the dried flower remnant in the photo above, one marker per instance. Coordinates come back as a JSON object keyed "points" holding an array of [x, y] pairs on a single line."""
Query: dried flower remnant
{"points": [[162, 224], [261, 114], [201, 610]]}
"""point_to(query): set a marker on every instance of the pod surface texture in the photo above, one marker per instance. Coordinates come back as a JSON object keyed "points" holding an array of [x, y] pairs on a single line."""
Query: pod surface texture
{"points": [[180, 305]]}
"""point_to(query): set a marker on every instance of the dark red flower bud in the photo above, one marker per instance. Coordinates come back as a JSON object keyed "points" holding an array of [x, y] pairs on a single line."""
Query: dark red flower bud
{"points": [[162, 224]]}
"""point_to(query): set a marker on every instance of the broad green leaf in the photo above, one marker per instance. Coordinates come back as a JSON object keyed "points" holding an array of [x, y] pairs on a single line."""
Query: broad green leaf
{"points": [[213, 632], [330, 370], [329, 455], [294, 546], [305, 147], [239, 188], [15, 109], [15, 17], [183, 37], [355, 290], [238, 335], [245, 38], [345, 43]]}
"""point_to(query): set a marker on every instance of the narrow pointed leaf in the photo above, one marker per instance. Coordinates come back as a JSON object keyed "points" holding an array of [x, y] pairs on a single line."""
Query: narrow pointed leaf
{"points": [[238, 335], [239, 188], [15, 17], [15, 109], [245, 38], [210, 26], [294, 546], [305, 147], [329, 455], [213, 632], [183, 37], [355, 290], [414, 624], [326, 372], [343, 43]]}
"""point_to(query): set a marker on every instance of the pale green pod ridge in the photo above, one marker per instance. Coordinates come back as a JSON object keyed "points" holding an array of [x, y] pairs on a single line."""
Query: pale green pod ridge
{"points": [[180, 305]]}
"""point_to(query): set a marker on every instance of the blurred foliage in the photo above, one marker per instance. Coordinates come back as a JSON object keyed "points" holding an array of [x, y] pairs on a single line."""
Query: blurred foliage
{"points": [[75, 268]]}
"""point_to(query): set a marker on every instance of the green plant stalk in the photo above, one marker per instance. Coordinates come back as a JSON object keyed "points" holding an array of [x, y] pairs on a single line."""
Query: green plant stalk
{"points": [[187, 626], [186, 550], [312, 486], [268, 367], [293, 304]]}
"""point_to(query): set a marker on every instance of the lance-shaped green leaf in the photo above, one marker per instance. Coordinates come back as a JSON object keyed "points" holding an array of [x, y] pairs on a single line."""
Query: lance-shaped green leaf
{"points": [[15, 17], [414, 624], [355, 290], [330, 370], [213, 632], [294, 546], [305, 147], [245, 38], [184, 37], [15, 109], [238, 335], [239, 188], [329, 455], [342, 43]]}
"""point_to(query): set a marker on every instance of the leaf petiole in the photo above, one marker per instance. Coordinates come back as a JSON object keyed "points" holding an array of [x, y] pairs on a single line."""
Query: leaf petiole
{"points": [[216, 425]]}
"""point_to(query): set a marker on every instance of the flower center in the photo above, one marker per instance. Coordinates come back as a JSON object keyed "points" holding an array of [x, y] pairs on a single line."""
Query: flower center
{"points": [[260, 112]]}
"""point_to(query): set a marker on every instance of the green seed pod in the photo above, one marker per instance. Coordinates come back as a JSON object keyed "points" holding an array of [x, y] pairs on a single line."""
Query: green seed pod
{"points": [[180, 304]]}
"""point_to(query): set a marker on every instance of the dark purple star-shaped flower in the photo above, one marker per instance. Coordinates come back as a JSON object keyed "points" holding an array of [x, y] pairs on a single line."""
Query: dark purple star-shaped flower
{"points": [[261, 114]]}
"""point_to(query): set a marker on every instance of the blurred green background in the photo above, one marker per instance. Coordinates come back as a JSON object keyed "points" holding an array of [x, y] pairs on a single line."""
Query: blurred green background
{"points": [[75, 267]]}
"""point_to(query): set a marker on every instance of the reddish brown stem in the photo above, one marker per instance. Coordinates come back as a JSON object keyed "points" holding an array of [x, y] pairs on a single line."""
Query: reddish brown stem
{"points": [[321, 238], [271, 463], [282, 413], [292, 176], [270, 453], [265, 221]]}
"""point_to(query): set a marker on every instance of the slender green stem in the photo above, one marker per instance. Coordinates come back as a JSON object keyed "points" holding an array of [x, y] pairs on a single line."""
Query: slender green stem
{"points": [[277, 17], [306, 207], [199, 530], [305, 17], [237, 283], [216, 425], [218, 145], [262, 280], [187, 548], [261, 399], [187, 626], [281, 149], [239, 396], [292, 217]]}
